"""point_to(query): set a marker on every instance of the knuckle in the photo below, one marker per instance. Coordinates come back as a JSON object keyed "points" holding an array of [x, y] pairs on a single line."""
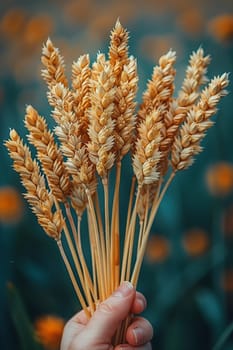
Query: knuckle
{"points": [[106, 307]]}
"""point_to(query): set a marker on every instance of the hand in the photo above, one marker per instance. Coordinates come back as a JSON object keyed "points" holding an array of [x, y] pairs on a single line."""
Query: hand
{"points": [[97, 332]]}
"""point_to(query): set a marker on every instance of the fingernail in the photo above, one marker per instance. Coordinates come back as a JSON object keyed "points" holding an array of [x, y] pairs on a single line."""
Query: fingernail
{"points": [[124, 290], [138, 335]]}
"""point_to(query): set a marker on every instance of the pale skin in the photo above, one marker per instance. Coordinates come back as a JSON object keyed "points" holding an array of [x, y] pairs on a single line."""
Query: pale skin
{"points": [[96, 333]]}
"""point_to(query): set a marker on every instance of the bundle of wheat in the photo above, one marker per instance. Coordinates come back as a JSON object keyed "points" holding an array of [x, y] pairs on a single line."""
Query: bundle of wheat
{"points": [[97, 124]]}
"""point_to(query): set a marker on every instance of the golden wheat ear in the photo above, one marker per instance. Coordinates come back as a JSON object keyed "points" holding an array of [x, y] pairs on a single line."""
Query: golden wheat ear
{"points": [[54, 71], [37, 195], [101, 126], [48, 153], [189, 93], [187, 142], [118, 49]]}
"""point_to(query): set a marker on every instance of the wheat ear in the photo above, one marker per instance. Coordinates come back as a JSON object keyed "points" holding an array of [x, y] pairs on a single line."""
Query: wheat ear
{"points": [[187, 142], [49, 154], [189, 93]]}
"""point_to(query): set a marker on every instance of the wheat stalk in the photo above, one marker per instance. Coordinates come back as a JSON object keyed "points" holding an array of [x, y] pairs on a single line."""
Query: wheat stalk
{"points": [[97, 124]]}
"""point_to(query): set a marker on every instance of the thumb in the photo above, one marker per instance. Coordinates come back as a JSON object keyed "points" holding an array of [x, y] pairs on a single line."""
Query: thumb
{"points": [[110, 313]]}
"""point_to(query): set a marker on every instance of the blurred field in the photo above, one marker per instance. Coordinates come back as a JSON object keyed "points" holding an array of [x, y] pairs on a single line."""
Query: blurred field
{"points": [[187, 275]]}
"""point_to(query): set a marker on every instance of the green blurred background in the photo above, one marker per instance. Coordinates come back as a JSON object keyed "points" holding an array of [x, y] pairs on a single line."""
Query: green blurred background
{"points": [[187, 275]]}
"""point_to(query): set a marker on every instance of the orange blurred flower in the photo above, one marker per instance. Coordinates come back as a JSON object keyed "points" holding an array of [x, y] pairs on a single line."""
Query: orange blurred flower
{"points": [[196, 242], [11, 205], [219, 178], [49, 331], [158, 249], [221, 27], [38, 29], [191, 21], [227, 281], [12, 23]]}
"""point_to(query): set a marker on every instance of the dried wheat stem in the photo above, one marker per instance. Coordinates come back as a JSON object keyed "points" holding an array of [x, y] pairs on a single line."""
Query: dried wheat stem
{"points": [[107, 232], [75, 257], [140, 234], [153, 196], [129, 239], [77, 238], [73, 252], [155, 206], [101, 235], [87, 277], [71, 223], [93, 253], [156, 203], [73, 279], [100, 224], [130, 205], [143, 222], [99, 264], [115, 234]]}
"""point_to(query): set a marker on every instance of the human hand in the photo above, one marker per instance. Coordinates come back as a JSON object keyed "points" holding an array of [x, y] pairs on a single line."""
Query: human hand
{"points": [[81, 333]]}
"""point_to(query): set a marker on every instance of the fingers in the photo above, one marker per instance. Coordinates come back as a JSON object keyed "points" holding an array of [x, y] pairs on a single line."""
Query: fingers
{"points": [[72, 328], [139, 303], [139, 332], [110, 313], [82, 333]]}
